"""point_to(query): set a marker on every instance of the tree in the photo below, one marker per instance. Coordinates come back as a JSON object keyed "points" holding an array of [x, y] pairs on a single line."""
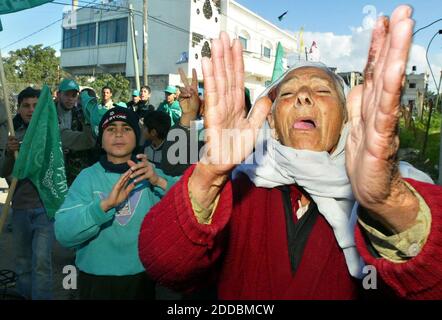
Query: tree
{"points": [[32, 66], [119, 84]]}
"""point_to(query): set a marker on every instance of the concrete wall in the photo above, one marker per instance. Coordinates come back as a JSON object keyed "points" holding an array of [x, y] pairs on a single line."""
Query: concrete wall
{"points": [[166, 43], [242, 22], [158, 83], [203, 29]]}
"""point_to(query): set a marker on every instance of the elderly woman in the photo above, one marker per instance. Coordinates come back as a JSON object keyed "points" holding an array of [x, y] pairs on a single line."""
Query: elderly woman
{"points": [[282, 227]]}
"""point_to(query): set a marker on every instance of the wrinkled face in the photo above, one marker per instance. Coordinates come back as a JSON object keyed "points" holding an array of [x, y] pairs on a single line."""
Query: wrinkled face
{"points": [[68, 99], [106, 94], [118, 141], [144, 94], [170, 97], [309, 113], [26, 108]]}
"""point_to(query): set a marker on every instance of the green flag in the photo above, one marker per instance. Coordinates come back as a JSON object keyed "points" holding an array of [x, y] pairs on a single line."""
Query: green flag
{"points": [[278, 68], [41, 157], [9, 6]]}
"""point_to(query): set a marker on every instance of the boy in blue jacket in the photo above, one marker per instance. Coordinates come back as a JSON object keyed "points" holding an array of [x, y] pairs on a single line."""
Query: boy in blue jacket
{"points": [[104, 209]]}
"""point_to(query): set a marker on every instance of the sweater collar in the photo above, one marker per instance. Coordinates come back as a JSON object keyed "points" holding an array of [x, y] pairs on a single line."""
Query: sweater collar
{"points": [[115, 168]]}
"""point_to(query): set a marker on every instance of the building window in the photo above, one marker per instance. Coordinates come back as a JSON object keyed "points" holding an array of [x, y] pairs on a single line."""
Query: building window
{"points": [[243, 42], [112, 31], [82, 36], [412, 85], [266, 52]]}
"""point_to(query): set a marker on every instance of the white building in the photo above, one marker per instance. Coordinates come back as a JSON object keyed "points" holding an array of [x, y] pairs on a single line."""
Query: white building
{"points": [[179, 33], [352, 78], [414, 91]]}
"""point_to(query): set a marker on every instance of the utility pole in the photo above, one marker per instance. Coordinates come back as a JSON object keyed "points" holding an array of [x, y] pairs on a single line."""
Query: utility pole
{"points": [[13, 185], [134, 46], [145, 57], [426, 130]]}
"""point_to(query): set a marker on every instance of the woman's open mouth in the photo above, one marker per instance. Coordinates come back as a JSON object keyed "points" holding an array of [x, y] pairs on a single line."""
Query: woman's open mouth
{"points": [[304, 124]]}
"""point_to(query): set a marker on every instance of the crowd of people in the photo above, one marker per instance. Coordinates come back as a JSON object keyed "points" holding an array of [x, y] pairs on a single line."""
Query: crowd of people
{"points": [[85, 152], [301, 220]]}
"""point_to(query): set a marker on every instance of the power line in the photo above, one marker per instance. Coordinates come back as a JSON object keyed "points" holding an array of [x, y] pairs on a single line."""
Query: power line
{"points": [[35, 32], [136, 12], [429, 25], [163, 22], [107, 8], [127, 10], [426, 55], [174, 26], [428, 47]]}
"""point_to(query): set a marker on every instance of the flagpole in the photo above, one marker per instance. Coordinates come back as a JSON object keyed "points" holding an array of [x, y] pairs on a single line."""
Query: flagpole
{"points": [[13, 185]]}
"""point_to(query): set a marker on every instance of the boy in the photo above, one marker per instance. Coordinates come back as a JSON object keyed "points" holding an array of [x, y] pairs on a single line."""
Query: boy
{"points": [[156, 127], [33, 231], [103, 211]]}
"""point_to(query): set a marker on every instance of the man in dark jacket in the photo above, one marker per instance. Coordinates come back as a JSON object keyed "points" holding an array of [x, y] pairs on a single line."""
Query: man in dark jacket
{"points": [[143, 105]]}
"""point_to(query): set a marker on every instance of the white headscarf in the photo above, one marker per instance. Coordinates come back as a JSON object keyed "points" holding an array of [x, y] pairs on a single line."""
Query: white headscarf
{"points": [[321, 174]]}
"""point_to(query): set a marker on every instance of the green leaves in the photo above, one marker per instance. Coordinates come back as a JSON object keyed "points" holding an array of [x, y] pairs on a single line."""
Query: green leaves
{"points": [[34, 65], [119, 84]]}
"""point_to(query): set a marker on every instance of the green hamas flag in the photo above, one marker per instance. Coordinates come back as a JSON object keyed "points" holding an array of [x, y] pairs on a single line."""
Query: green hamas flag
{"points": [[41, 157], [9, 6], [278, 68]]}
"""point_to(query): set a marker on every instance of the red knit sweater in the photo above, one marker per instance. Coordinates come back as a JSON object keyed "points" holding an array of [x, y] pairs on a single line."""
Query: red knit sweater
{"points": [[244, 250]]}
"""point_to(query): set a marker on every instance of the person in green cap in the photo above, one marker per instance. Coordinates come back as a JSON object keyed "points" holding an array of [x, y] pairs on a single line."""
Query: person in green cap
{"points": [[170, 105], [76, 137], [135, 99]]}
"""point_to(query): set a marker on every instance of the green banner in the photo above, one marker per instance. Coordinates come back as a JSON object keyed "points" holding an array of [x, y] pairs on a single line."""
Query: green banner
{"points": [[278, 68], [9, 6], [41, 157]]}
